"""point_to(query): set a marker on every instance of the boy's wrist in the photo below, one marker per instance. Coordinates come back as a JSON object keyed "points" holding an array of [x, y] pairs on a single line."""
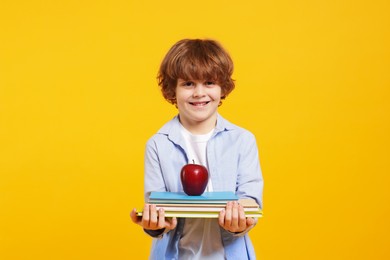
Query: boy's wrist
{"points": [[241, 233]]}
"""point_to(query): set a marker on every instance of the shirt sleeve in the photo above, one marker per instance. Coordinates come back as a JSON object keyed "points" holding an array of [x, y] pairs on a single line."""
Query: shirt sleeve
{"points": [[249, 176], [153, 177], [153, 180], [155, 233]]}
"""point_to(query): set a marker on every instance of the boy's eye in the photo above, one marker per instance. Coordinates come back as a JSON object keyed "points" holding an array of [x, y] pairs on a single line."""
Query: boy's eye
{"points": [[188, 83], [209, 83]]}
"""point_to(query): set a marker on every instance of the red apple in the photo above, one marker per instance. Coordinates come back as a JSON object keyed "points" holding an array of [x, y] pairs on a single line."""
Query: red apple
{"points": [[194, 178]]}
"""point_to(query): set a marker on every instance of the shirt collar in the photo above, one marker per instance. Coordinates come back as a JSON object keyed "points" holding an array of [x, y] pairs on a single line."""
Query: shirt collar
{"points": [[172, 128]]}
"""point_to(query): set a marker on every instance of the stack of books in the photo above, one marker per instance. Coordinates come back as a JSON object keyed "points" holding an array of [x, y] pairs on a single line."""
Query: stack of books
{"points": [[207, 205]]}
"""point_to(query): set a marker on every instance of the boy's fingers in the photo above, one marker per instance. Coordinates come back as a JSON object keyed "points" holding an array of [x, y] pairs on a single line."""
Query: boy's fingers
{"points": [[242, 219], [134, 217], [228, 215], [146, 216], [171, 224], [161, 218], [250, 221], [235, 216], [153, 217], [221, 218], [174, 223]]}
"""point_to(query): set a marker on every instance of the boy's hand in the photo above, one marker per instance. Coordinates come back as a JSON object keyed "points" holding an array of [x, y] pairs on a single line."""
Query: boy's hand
{"points": [[233, 219], [152, 219]]}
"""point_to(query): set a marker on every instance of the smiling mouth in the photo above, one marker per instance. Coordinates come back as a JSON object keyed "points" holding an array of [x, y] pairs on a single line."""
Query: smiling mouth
{"points": [[199, 104]]}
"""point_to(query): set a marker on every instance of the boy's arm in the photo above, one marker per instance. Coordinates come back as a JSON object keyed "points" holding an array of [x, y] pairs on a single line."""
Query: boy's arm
{"points": [[153, 177], [154, 181], [249, 185], [249, 176]]}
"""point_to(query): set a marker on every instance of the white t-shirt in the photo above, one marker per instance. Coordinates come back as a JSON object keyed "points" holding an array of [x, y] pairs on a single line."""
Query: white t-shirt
{"points": [[201, 238]]}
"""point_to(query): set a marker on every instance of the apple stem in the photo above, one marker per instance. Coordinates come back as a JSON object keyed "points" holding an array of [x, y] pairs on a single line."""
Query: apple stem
{"points": [[193, 161]]}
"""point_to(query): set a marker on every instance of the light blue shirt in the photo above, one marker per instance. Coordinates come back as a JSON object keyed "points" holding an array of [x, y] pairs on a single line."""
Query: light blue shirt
{"points": [[233, 162]]}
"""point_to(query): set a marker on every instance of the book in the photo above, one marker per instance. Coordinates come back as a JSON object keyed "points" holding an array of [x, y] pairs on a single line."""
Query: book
{"points": [[220, 197], [203, 214], [248, 204], [251, 208], [207, 205], [198, 209]]}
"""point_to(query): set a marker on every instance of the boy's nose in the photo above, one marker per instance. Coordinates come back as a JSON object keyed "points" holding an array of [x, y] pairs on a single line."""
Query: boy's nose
{"points": [[199, 90]]}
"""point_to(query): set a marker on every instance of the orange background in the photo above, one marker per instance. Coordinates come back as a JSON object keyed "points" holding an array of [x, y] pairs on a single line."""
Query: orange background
{"points": [[79, 99]]}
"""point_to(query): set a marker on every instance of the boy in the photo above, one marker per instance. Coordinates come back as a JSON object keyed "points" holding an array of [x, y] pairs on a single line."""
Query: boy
{"points": [[195, 76]]}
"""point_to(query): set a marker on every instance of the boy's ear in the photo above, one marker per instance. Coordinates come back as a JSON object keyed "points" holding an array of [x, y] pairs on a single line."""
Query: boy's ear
{"points": [[223, 93]]}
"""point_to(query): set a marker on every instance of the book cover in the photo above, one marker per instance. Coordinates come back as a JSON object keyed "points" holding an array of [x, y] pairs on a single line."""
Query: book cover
{"points": [[248, 203], [181, 197]]}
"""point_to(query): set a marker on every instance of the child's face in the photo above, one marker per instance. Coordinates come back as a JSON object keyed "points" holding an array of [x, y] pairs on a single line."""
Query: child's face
{"points": [[197, 101]]}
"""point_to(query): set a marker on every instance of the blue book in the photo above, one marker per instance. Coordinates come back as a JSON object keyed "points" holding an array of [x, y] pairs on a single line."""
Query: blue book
{"points": [[216, 197]]}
